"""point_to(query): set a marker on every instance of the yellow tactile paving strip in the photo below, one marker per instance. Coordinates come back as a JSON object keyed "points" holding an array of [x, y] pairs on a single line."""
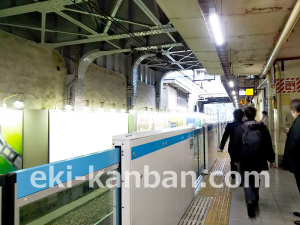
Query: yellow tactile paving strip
{"points": [[218, 213], [212, 205], [197, 212]]}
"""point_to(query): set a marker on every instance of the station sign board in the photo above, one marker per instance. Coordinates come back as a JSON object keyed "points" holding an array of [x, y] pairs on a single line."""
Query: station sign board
{"points": [[246, 91]]}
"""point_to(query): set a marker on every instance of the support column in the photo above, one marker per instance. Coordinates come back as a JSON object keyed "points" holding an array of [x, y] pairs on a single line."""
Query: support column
{"points": [[278, 121], [84, 63], [132, 93], [270, 105], [206, 169]]}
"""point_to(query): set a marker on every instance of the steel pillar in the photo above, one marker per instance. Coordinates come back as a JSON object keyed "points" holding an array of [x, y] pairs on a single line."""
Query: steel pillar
{"points": [[84, 63]]}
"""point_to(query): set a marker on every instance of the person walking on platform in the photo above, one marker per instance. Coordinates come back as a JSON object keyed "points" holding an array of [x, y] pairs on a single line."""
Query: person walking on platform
{"points": [[238, 115], [265, 119], [252, 149], [291, 159]]}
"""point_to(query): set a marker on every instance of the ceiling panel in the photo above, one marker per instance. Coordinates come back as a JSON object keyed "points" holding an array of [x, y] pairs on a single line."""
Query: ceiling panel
{"points": [[191, 27], [200, 44], [291, 47], [269, 23], [211, 63], [251, 55], [258, 41], [205, 56], [175, 9], [215, 71], [253, 28], [242, 69], [238, 7]]}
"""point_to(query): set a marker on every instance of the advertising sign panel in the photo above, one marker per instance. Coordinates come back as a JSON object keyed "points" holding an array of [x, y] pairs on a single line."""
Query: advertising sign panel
{"points": [[11, 141], [75, 134]]}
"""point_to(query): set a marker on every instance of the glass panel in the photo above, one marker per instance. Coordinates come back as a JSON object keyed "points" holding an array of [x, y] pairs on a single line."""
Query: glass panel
{"points": [[201, 152], [196, 155], [80, 204]]}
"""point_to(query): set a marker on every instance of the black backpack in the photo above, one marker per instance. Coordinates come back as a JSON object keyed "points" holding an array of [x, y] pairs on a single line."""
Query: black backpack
{"points": [[252, 139]]}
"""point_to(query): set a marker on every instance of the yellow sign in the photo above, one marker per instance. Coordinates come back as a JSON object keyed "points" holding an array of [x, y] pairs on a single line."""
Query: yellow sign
{"points": [[243, 102], [249, 92]]}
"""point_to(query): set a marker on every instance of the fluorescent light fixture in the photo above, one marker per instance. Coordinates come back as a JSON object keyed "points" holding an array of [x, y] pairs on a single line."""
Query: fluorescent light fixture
{"points": [[19, 104], [231, 84], [234, 97], [216, 26], [68, 107], [233, 92]]}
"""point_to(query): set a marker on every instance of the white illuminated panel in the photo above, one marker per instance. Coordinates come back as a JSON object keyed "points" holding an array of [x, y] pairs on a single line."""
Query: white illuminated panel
{"points": [[242, 92], [74, 134], [152, 121]]}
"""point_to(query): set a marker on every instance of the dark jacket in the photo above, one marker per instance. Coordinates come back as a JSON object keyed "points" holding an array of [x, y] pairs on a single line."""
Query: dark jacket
{"points": [[266, 152], [229, 132], [291, 159]]}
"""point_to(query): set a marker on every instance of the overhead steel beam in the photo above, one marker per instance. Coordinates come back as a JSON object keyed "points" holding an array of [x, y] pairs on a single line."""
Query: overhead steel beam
{"points": [[45, 6], [193, 65], [182, 51], [179, 62], [40, 29], [156, 66], [166, 53], [113, 14], [187, 56], [174, 61], [151, 16], [145, 9], [62, 14], [188, 62], [159, 47], [103, 17], [163, 30]]}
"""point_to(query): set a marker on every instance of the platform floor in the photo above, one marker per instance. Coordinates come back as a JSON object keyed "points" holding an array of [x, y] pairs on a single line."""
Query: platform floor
{"points": [[276, 205], [213, 206]]}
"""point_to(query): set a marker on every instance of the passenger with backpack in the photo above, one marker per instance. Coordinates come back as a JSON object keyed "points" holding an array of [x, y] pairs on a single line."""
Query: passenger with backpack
{"points": [[238, 115], [252, 150]]}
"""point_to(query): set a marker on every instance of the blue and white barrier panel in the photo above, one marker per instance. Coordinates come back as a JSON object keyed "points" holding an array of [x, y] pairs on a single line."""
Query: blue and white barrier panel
{"points": [[62, 191]]}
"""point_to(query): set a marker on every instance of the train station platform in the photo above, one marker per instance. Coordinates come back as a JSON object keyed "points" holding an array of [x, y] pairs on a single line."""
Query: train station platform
{"points": [[222, 206], [211, 205], [276, 204]]}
